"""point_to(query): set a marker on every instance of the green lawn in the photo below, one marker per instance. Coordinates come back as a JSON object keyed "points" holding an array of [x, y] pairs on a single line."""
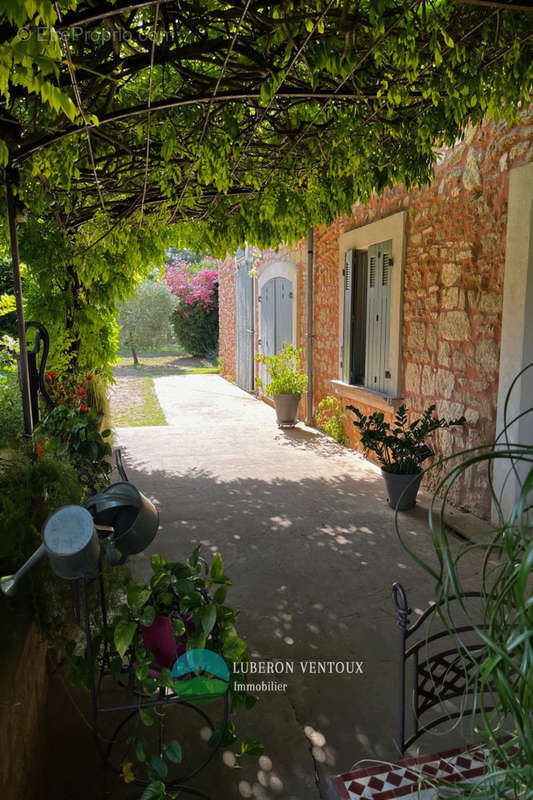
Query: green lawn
{"points": [[133, 400], [170, 361]]}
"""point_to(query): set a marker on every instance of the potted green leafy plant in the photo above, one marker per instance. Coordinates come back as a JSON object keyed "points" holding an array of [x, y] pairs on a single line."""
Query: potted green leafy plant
{"points": [[287, 382], [401, 447], [181, 608]]}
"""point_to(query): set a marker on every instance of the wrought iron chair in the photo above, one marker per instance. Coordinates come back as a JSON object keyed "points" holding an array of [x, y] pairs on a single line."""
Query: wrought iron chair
{"points": [[438, 675]]}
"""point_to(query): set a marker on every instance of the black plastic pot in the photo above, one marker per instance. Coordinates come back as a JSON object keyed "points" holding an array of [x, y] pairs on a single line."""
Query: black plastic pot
{"points": [[396, 484], [287, 409]]}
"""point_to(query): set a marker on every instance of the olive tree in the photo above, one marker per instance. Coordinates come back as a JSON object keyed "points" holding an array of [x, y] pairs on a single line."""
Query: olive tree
{"points": [[144, 319]]}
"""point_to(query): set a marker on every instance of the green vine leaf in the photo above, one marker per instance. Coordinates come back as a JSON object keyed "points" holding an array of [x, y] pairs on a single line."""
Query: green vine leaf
{"points": [[123, 635]]}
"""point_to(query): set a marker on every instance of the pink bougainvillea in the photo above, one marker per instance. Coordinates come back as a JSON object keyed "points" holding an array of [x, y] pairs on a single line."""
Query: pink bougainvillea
{"points": [[192, 290], [195, 319]]}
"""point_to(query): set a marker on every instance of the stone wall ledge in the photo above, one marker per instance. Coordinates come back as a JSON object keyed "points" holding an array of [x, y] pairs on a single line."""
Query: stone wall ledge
{"points": [[366, 396]]}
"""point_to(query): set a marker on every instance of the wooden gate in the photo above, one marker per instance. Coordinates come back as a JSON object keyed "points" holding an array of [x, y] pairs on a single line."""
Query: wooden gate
{"points": [[244, 323], [276, 317]]}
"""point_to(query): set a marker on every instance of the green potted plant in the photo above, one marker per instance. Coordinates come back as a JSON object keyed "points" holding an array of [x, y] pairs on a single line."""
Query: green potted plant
{"points": [[287, 382], [401, 447], [181, 608]]}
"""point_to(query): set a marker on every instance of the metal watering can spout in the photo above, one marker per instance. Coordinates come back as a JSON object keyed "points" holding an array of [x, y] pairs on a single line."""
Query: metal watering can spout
{"points": [[8, 584]]}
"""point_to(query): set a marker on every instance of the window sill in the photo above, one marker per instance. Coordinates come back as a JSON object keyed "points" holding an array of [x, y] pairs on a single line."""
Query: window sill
{"points": [[366, 396]]}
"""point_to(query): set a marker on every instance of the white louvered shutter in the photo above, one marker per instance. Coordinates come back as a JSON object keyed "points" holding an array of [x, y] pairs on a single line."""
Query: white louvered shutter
{"points": [[347, 333], [378, 316]]}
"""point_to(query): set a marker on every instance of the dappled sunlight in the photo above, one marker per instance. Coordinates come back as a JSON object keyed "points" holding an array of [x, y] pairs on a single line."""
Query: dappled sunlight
{"points": [[309, 544]]}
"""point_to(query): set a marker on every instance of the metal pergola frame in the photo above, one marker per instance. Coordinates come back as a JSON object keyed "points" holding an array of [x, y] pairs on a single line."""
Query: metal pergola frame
{"points": [[226, 71]]}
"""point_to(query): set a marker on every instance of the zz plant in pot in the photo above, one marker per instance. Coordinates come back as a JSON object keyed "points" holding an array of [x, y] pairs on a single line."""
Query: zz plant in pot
{"points": [[401, 447], [287, 382]]}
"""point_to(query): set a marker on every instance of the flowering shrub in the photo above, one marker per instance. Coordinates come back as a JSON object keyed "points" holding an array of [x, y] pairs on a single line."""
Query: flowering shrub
{"points": [[196, 316], [73, 434], [68, 390]]}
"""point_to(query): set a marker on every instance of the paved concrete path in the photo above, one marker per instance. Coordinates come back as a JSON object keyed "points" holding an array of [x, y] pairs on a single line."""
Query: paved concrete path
{"points": [[309, 542]]}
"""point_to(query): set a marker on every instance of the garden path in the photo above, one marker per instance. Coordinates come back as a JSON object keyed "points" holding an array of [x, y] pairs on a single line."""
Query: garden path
{"points": [[309, 543]]}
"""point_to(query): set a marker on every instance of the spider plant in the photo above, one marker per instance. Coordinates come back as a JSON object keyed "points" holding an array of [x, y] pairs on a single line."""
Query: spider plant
{"points": [[505, 672]]}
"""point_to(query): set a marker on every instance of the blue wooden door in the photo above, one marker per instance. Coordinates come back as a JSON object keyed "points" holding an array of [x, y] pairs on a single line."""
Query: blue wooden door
{"points": [[244, 324], [276, 317]]}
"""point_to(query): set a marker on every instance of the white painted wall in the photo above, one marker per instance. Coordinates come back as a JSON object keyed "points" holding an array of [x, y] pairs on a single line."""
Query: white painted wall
{"points": [[517, 331]]}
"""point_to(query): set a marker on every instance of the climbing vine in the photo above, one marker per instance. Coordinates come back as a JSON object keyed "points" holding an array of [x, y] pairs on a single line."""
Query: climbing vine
{"points": [[206, 124], [251, 121]]}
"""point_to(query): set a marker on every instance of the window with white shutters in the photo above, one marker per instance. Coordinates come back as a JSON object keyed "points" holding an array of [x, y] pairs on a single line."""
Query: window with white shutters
{"points": [[367, 282]]}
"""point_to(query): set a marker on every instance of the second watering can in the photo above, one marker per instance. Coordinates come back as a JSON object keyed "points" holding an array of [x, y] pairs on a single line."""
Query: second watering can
{"points": [[133, 518]]}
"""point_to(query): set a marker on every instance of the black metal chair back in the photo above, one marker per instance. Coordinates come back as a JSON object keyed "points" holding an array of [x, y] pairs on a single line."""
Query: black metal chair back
{"points": [[437, 675], [37, 370]]}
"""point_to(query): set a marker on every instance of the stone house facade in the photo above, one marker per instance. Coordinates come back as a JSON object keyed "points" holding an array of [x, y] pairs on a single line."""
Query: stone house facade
{"points": [[458, 262]]}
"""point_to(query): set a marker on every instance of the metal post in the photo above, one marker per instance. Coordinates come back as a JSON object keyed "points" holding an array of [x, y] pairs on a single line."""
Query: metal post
{"points": [[17, 286], [250, 265], [402, 614], [309, 343]]}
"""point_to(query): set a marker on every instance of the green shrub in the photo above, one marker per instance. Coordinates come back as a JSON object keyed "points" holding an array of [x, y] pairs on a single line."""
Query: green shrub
{"points": [[196, 328], [330, 418], [31, 488], [74, 434], [11, 419], [195, 319], [8, 317], [284, 371]]}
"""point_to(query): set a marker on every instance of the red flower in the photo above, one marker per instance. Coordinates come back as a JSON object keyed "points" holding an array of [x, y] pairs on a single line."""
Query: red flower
{"points": [[89, 377], [53, 374], [83, 407], [80, 392], [72, 394]]}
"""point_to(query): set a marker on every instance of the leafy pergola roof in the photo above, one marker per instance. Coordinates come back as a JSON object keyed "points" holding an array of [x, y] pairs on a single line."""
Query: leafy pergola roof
{"points": [[251, 119]]}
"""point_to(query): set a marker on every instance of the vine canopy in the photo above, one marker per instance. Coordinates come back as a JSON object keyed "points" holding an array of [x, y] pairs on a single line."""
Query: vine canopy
{"points": [[242, 120]]}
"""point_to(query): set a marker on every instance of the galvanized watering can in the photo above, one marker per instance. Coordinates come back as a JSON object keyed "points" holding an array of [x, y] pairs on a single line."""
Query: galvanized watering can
{"points": [[71, 543], [133, 518]]}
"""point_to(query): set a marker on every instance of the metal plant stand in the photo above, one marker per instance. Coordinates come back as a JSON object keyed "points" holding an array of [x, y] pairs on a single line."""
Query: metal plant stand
{"points": [[137, 700], [125, 522]]}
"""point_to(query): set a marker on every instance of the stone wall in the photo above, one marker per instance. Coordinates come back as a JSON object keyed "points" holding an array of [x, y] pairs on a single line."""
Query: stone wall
{"points": [[226, 312], [452, 292]]}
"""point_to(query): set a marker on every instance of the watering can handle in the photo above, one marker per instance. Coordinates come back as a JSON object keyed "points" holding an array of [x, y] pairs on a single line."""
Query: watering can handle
{"points": [[9, 583], [103, 502]]}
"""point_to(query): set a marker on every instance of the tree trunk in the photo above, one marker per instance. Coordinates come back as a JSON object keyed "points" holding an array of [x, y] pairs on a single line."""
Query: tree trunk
{"points": [[134, 354]]}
